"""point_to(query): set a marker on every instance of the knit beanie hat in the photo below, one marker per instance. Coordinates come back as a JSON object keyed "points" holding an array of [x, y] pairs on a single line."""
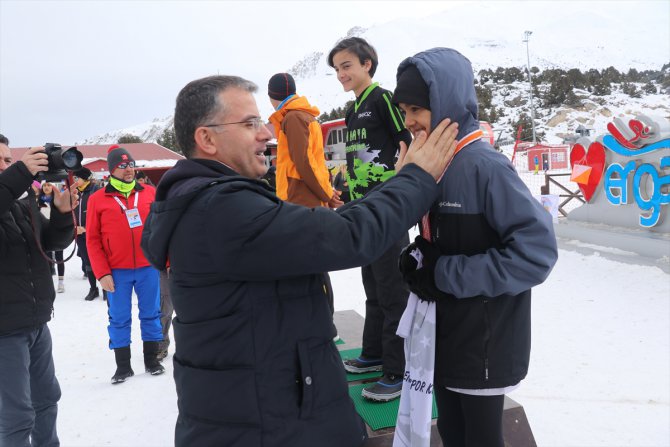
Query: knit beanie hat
{"points": [[83, 173], [117, 155], [280, 86], [411, 89]]}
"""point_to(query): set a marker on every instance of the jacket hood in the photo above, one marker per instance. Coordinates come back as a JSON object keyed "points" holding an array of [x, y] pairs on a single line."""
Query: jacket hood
{"points": [[296, 103], [177, 188], [450, 81]]}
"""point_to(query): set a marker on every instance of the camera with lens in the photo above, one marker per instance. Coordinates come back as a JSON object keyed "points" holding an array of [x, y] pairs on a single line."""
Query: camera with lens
{"points": [[61, 161]]}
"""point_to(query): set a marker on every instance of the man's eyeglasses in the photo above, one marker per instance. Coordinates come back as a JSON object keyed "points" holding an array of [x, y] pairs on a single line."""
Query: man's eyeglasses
{"points": [[130, 164], [256, 123]]}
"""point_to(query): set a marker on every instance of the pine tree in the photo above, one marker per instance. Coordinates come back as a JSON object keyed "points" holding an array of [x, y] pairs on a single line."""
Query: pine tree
{"points": [[128, 138], [649, 87], [168, 139]]}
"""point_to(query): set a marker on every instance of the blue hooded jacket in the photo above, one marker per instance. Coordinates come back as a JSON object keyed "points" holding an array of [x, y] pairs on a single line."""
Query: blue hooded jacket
{"points": [[496, 242]]}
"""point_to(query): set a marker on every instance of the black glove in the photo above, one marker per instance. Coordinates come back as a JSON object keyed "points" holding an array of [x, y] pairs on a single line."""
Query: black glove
{"points": [[406, 262], [421, 281]]}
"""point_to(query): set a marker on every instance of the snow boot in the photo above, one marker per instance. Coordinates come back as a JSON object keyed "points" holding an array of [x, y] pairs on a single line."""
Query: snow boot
{"points": [[123, 369], [151, 362], [162, 349], [92, 294]]}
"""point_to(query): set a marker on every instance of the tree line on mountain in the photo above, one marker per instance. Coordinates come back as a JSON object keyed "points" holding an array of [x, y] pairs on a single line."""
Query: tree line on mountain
{"points": [[552, 87]]}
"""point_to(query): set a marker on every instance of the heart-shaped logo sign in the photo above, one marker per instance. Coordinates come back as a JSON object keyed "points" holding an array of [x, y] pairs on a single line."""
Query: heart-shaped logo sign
{"points": [[587, 167]]}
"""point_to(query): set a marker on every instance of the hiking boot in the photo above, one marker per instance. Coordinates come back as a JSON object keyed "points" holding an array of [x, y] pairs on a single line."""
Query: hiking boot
{"points": [[92, 294], [362, 365], [386, 389], [123, 369]]}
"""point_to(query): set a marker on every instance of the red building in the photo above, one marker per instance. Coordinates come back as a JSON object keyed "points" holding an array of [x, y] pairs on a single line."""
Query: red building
{"points": [[549, 156]]}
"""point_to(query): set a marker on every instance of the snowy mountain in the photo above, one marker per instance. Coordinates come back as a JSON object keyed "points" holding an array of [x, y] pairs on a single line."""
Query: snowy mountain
{"points": [[562, 38]]}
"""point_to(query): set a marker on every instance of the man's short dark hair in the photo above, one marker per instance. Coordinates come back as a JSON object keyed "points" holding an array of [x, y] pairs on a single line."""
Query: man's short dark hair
{"points": [[4, 140], [198, 103], [360, 47]]}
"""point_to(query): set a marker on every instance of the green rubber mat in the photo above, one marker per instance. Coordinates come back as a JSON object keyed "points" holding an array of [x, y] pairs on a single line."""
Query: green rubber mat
{"points": [[339, 341], [377, 414], [352, 354]]}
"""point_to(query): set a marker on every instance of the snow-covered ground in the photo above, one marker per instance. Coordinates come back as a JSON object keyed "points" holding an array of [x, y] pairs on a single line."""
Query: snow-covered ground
{"points": [[600, 367]]}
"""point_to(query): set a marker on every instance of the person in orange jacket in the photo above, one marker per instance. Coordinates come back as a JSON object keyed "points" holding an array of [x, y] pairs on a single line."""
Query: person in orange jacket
{"points": [[302, 175]]}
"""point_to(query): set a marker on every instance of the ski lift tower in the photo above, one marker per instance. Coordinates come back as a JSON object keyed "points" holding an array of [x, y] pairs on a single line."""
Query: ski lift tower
{"points": [[526, 35]]}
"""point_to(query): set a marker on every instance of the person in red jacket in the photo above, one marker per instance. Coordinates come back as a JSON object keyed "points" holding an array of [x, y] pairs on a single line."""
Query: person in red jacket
{"points": [[115, 220]]}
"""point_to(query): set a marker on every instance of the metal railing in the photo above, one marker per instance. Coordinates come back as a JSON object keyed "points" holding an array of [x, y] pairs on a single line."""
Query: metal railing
{"points": [[577, 195]]}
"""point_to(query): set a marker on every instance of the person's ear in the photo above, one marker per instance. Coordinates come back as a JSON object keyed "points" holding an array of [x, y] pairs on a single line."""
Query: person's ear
{"points": [[204, 140], [367, 65]]}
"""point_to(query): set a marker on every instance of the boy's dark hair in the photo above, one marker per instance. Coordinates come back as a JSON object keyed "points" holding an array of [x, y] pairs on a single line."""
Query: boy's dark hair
{"points": [[360, 47], [4, 140]]}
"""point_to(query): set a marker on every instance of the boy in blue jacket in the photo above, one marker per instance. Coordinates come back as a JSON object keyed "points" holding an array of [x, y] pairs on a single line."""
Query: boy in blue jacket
{"points": [[487, 242]]}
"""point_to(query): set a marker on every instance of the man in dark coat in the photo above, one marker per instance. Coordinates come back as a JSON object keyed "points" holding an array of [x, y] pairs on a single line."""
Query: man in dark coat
{"points": [[29, 391], [85, 187], [255, 364]]}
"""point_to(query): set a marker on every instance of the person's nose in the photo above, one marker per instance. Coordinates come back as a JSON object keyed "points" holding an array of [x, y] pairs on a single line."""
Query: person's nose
{"points": [[264, 134], [408, 120]]}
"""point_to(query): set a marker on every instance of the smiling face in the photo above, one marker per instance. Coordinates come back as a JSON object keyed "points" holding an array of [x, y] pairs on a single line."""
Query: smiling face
{"points": [[127, 174], [416, 118], [241, 143], [353, 75]]}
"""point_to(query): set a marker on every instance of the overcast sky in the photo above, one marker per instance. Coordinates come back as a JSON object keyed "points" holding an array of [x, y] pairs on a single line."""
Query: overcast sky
{"points": [[75, 69]]}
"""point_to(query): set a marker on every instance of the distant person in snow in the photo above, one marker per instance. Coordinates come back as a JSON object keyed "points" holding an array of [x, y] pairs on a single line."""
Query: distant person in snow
{"points": [[486, 242], [29, 390], [143, 178], [255, 363], [86, 188], [114, 223]]}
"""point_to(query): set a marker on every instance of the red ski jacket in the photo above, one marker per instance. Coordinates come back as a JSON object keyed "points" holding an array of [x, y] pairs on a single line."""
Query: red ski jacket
{"points": [[110, 241]]}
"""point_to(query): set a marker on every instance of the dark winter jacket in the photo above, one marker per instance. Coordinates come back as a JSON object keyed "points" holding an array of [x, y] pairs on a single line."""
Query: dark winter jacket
{"points": [[255, 364], [26, 288], [80, 215], [497, 242], [375, 128]]}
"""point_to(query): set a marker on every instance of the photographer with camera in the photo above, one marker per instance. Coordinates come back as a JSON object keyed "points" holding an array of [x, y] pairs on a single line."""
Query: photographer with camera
{"points": [[29, 390]]}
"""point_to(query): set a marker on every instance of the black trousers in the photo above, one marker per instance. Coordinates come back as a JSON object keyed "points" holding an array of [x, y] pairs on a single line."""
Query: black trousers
{"points": [[469, 421], [82, 252], [58, 256], [386, 299], [167, 309]]}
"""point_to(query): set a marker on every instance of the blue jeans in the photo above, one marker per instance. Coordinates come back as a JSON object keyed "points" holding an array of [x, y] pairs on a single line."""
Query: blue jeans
{"points": [[29, 390], [145, 281]]}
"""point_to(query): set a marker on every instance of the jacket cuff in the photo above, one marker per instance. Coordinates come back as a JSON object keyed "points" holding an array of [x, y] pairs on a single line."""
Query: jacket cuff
{"points": [[17, 178]]}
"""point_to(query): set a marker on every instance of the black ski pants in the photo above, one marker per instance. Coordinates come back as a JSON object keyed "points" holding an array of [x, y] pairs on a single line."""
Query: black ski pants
{"points": [[386, 299], [469, 421]]}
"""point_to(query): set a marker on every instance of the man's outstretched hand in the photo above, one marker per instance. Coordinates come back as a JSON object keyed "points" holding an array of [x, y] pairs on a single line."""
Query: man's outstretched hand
{"points": [[431, 153]]}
